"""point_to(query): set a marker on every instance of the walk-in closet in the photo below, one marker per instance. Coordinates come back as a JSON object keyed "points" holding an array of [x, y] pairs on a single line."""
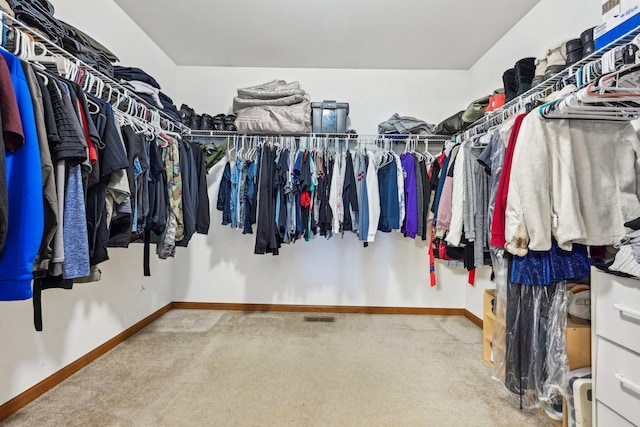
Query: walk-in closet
{"points": [[320, 214]]}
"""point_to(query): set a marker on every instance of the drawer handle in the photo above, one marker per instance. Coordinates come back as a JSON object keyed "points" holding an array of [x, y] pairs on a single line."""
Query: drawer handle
{"points": [[626, 310], [626, 382]]}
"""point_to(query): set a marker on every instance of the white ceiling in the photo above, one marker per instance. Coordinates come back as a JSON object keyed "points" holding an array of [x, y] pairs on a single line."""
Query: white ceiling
{"points": [[373, 34]]}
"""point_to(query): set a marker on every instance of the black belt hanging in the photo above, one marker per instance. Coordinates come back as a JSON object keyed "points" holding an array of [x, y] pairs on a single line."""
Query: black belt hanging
{"points": [[147, 243], [40, 284], [37, 304]]}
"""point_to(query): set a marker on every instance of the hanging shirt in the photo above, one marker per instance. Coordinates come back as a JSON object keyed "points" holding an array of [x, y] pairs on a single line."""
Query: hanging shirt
{"points": [[495, 161], [389, 205], [76, 243], [189, 192], [157, 189], [12, 139], [410, 226], [498, 223], [291, 191], [325, 215], [235, 193], [203, 216], [335, 194], [25, 220], [439, 185], [266, 235], [457, 198], [363, 197], [426, 186], [445, 205], [174, 230], [583, 190], [224, 194], [401, 193], [252, 170], [280, 184], [373, 196], [349, 196], [419, 195], [48, 173]]}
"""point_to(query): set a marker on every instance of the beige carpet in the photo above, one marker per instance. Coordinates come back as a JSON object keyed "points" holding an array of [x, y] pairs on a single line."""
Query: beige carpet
{"points": [[214, 368]]}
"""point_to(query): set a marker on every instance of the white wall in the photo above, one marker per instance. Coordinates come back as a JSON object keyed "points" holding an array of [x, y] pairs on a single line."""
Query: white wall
{"points": [[393, 271], [79, 320], [373, 95], [233, 274], [108, 24], [546, 25]]}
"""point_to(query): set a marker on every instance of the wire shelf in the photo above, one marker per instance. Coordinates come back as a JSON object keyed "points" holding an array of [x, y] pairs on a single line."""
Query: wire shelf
{"points": [[555, 82], [110, 82], [396, 137]]}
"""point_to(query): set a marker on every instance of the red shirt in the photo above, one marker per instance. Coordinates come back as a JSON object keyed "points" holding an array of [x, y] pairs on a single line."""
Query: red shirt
{"points": [[13, 134], [498, 223]]}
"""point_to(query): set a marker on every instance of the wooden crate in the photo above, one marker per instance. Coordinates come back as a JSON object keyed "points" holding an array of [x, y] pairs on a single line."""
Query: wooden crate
{"points": [[489, 323]]}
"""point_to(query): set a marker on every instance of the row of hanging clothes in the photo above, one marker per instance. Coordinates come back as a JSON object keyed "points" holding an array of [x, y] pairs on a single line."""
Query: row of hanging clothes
{"points": [[79, 175], [548, 191], [295, 188], [460, 208]]}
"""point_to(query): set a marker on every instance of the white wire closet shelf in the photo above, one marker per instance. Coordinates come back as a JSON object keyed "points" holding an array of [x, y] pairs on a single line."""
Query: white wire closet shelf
{"points": [[168, 123], [556, 82], [398, 137]]}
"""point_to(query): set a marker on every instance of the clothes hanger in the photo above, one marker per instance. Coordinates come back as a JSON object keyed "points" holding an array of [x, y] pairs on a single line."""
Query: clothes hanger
{"points": [[91, 103], [240, 151], [88, 82], [100, 84], [430, 158], [564, 109], [14, 46], [597, 102], [26, 41]]}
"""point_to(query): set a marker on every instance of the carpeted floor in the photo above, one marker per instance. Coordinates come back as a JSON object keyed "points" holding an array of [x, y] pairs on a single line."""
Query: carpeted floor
{"points": [[218, 368]]}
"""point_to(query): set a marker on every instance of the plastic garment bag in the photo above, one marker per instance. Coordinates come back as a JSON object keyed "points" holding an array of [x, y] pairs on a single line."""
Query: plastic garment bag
{"points": [[535, 362], [500, 271]]}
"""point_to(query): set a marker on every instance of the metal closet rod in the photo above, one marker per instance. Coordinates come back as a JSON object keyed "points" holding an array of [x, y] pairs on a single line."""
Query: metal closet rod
{"points": [[399, 137], [109, 82], [557, 82]]}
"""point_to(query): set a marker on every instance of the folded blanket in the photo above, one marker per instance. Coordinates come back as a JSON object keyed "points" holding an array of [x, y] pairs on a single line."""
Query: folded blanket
{"points": [[269, 119], [272, 90], [405, 125], [240, 103]]}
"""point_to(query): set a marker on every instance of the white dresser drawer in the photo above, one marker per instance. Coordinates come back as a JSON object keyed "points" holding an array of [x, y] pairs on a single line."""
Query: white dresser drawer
{"points": [[618, 380], [607, 418], [618, 311]]}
